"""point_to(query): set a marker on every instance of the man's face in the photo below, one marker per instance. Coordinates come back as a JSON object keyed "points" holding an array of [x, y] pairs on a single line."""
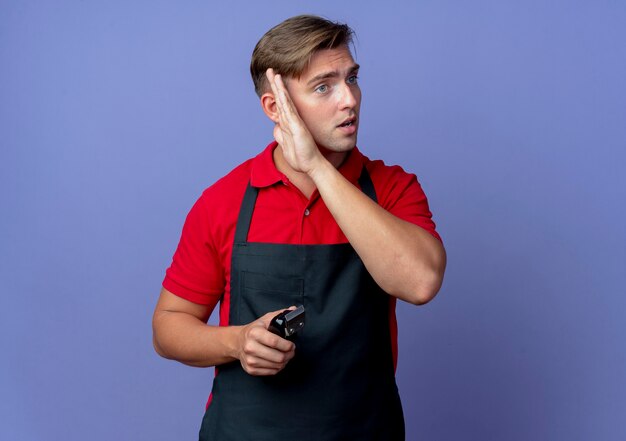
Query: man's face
{"points": [[328, 98]]}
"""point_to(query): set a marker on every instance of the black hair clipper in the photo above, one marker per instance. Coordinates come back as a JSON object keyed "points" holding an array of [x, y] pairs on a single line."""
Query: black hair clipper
{"points": [[288, 322]]}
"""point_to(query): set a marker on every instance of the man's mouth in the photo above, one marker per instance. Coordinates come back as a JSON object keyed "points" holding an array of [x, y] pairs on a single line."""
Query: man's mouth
{"points": [[348, 122]]}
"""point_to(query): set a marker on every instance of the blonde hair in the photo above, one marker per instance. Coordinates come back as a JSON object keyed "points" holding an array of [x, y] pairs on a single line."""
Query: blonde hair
{"points": [[288, 47]]}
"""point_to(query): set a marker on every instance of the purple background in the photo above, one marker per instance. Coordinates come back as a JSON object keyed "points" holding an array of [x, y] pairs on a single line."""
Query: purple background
{"points": [[114, 116]]}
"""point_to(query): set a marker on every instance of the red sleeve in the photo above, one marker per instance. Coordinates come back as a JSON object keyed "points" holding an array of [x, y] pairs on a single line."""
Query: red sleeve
{"points": [[401, 194], [196, 272]]}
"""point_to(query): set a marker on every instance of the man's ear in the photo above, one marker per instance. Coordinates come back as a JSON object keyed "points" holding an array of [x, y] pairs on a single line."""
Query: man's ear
{"points": [[268, 103]]}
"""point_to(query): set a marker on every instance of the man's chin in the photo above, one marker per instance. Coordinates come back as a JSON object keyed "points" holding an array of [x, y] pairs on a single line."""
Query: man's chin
{"points": [[337, 148]]}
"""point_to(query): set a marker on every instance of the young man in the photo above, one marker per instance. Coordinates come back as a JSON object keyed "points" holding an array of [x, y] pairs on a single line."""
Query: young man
{"points": [[310, 221]]}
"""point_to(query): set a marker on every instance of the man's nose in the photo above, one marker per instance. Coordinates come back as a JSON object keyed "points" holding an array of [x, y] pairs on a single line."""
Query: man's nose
{"points": [[348, 98]]}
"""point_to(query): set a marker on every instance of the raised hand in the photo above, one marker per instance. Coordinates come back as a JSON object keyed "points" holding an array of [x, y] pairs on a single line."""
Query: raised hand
{"points": [[294, 138]]}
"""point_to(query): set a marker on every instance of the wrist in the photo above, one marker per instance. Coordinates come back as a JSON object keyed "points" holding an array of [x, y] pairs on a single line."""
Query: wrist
{"points": [[319, 169], [234, 342]]}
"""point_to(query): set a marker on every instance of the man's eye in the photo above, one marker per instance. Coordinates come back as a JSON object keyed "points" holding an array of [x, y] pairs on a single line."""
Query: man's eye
{"points": [[322, 89], [353, 79]]}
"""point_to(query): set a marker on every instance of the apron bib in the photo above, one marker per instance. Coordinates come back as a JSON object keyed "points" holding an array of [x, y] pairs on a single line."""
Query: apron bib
{"points": [[340, 385]]}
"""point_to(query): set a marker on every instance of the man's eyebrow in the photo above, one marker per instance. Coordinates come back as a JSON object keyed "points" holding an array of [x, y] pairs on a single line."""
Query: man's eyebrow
{"points": [[331, 74]]}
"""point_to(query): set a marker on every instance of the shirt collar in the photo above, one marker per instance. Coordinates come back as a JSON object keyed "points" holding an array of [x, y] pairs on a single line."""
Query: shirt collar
{"points": [[264, 173]]}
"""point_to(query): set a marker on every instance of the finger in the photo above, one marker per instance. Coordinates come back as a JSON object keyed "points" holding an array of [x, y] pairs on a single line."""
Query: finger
{"points": [[280, 111], [260, 350], [258, 333], [261, 372], [269, 73], [281, 95], [279, 344], [284, 98], [267, 318], [265, 357], [281, 107], [278, 135], [273, 341], [271, 78]]}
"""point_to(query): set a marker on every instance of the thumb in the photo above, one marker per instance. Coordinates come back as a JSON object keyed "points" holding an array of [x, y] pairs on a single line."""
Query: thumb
{"points": [[278, 134], [267, 318]]}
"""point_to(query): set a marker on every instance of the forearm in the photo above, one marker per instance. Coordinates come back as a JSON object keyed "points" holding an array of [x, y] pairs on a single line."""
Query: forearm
{"points": [[404, 259], [185, 338]]}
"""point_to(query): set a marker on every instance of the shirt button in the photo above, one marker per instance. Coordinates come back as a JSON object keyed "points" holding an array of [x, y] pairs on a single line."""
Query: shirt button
{"points": [[307, 212]]}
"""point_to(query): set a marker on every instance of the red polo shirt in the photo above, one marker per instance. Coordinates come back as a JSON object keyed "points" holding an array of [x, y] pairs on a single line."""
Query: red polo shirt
{"points": [[200, 270]]}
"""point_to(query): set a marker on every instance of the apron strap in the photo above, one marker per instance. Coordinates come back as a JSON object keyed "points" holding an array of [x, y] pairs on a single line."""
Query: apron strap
{"points": [[367, 186], [249, 200], [245, 214]]}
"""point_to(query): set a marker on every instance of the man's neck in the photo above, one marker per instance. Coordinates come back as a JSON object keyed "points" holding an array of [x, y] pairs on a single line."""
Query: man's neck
{"points": [[301, 180]]}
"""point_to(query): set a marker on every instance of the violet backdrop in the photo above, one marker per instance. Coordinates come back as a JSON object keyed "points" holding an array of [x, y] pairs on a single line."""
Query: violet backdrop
{"points": [[114, 116]]}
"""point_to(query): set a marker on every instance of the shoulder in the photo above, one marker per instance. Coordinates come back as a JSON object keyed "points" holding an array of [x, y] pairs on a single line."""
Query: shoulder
{"points": [[213, 217], [400, 193], [390, 181], [381, 171], [378, 169]]}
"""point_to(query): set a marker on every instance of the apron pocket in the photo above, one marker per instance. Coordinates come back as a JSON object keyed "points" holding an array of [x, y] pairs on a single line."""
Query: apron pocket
{"points": [[263, 293]]}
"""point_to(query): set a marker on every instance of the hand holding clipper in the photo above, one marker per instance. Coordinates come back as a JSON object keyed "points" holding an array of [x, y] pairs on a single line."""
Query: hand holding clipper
{"points": [[288, 322]]}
